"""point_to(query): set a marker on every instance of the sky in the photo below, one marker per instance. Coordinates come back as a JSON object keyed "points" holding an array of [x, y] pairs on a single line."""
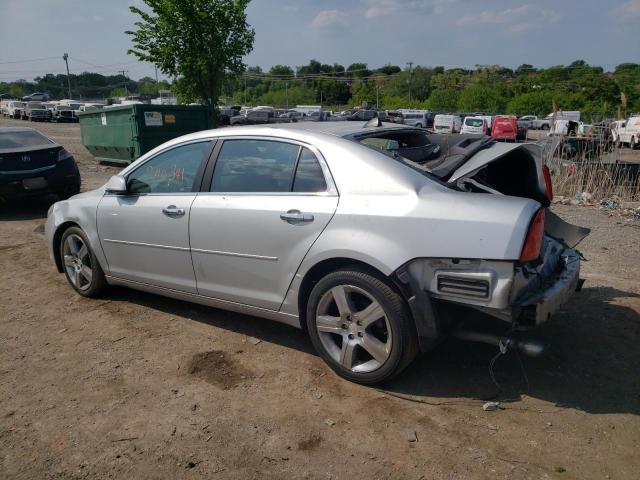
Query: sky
{"points": [[34, 34]]}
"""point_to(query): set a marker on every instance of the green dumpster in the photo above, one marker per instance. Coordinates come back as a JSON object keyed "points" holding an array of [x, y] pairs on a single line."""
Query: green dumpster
{"points": [[123, 133]]}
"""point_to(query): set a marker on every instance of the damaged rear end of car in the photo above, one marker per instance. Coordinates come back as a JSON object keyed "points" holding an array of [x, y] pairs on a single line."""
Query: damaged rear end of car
{"points": [[525, 287]]}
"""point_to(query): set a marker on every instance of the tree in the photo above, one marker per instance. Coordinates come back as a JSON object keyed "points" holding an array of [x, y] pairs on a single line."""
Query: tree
{"points": [[484, 98], [443, 100], [199, 41]]}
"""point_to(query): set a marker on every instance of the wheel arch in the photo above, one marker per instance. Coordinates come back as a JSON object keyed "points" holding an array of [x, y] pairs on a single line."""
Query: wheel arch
{"points": [[57, 239], [326, 266]]}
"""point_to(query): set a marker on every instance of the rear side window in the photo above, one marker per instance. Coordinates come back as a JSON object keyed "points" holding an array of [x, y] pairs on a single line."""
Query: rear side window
{"points": [[309, 176], [255, 166]]}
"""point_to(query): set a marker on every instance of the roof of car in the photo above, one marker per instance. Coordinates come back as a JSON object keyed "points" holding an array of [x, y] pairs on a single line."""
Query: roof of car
{"points": [[338, 129]]}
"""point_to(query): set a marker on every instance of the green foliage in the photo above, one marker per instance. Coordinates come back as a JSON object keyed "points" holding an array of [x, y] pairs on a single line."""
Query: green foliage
{"points": [[198, 41], [533, 103], [443, 100], [481, 98]]}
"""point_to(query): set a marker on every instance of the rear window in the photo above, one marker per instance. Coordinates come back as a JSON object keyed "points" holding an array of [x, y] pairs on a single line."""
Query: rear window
{"points": [[473, 122], [23, 139]]}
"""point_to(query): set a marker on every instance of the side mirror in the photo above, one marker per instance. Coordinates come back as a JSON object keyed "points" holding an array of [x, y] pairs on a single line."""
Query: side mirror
{"points": [[116, 184]]}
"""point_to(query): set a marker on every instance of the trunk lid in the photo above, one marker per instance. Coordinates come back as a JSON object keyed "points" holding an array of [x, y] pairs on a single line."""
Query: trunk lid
{"points": [[28, 159]]}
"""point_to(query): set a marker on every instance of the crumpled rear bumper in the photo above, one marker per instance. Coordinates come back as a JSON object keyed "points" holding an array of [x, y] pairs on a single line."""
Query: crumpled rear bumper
{"points": [[539, 305]]}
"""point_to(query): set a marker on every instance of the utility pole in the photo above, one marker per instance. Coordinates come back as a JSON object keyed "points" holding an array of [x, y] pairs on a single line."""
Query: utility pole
{"points": [[377, 106], [65, 57], [410, 65], [245, 90], [156, 67], [124, 74], [286, 93]]}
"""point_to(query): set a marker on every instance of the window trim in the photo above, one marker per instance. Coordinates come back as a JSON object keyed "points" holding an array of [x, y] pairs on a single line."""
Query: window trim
{"points": [[331, 190], [197, 182]]}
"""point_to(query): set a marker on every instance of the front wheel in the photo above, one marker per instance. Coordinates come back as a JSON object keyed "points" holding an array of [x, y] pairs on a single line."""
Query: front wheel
{"points": [[361, 326], [80, 265]]}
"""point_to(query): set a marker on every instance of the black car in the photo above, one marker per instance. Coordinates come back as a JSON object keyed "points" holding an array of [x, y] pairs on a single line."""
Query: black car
{"points": [[32, 164]]}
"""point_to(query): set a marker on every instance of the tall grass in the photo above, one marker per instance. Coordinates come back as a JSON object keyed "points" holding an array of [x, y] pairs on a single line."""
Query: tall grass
{"points": [[591, 171]]}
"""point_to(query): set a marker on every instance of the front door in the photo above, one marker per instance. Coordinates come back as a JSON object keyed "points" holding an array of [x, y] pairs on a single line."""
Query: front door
{"points": [[269, 201], [145, 233]]}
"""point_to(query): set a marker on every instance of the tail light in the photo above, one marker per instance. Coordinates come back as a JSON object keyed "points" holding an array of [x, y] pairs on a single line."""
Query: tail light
{"points": [[63, 154], [546, 173], [533, 242]]}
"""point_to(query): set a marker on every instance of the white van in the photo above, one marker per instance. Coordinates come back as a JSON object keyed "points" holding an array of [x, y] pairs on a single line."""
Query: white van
{"points": [[447, 123], [629, 132], [476, 125]]}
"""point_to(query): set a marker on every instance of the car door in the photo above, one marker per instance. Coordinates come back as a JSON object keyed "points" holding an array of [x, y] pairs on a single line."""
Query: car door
{"points": [[145, 232], [269, 200]]}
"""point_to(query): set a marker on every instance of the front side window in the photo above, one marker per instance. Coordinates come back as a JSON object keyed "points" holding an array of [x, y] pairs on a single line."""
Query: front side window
{"points": [[172, 171]]}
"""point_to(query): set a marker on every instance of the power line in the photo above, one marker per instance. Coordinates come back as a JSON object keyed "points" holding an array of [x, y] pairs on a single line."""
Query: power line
{"points": [[28, 60]]}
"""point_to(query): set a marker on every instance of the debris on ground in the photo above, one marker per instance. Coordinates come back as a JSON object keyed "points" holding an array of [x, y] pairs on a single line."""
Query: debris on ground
{"points": [[254, 340], [411, 436], [491, 406]]}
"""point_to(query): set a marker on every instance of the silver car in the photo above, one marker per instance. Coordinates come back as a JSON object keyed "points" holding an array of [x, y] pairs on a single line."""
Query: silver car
{"points": [[377, 240]]}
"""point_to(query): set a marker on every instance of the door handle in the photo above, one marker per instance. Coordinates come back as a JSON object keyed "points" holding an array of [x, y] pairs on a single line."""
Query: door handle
{"points": [[173, 211], [295, 217]]}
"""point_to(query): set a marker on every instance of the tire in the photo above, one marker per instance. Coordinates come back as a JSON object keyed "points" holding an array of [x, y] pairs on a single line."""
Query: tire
{"points": [[545, 127], [345, 338], [632, 143], [77, 263], [418, 125]]}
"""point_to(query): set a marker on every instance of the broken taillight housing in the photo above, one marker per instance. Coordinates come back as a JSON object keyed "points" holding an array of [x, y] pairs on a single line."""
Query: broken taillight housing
{"points": [[533, 242], [546, 173]]}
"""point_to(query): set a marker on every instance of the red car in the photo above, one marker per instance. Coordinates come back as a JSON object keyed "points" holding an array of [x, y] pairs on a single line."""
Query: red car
{"points": [[505, 128]]}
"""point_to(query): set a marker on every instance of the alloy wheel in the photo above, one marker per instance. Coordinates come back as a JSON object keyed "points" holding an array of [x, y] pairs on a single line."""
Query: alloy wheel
{"points": [[353, 328], [77, 262]]}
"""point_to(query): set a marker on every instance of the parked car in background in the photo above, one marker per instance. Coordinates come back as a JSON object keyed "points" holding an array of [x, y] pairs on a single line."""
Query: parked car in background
{"points": [[15, 109], [37, 112], [225, 114], [628, 133], [436, 251], [32, 164], [417, 118], [446, 123], [522, 129], [294, 115], [363, 115], [36, 97], [475, 125], [394, 116], [527, 121], [505, 127], [63, 114]]}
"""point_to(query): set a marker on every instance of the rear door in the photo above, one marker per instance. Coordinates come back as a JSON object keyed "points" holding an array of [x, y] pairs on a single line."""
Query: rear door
{"points": [[269, 200], [145, 233]]}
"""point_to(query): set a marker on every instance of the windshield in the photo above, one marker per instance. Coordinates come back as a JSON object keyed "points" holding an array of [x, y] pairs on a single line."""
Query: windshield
{"points": [[35, 105], [473, 122], [21, 139]]}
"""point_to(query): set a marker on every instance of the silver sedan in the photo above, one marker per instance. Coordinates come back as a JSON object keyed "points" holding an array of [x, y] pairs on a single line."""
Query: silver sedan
{"points": [[376, 239]]}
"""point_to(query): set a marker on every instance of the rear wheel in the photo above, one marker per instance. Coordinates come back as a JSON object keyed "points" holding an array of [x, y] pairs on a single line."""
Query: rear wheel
{"points": [[360, 326], [632, 143], [419, 125], [81, 268]]}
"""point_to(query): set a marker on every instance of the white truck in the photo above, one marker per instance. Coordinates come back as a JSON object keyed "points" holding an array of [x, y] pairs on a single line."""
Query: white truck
{"points": [[628, 132], [545, 123], [15, 109]]}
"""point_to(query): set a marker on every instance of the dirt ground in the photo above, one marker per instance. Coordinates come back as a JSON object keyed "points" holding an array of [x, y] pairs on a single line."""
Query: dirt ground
{"points": [[138, 386]]}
